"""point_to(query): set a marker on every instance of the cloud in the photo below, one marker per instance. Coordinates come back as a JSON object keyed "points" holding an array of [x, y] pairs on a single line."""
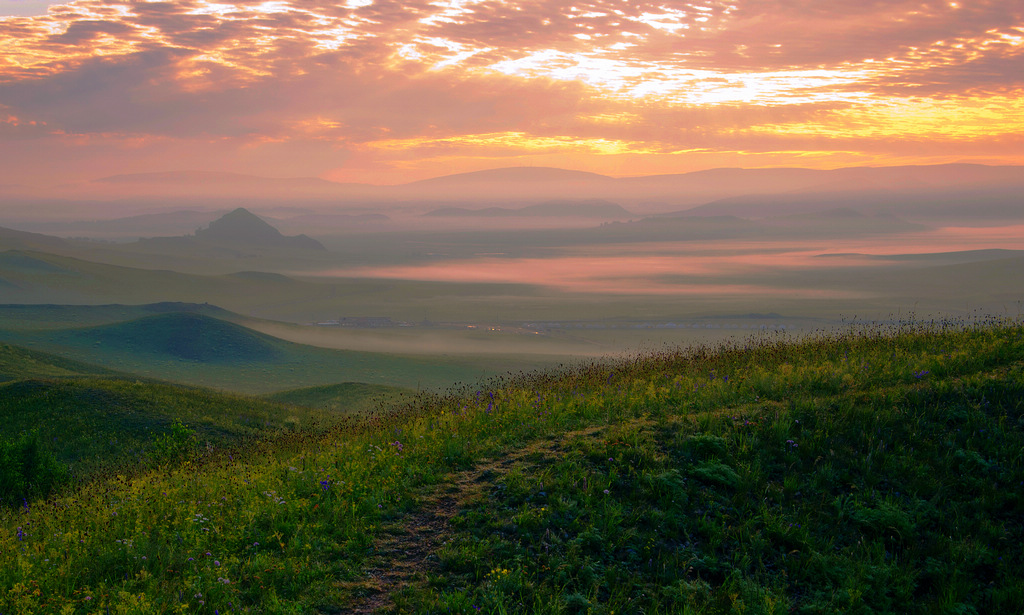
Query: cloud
{"points": [[81, 32], [591, 78]]}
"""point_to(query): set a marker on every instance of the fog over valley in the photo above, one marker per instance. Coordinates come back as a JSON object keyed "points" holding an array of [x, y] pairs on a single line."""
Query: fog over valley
{"points": [[527, 274]]}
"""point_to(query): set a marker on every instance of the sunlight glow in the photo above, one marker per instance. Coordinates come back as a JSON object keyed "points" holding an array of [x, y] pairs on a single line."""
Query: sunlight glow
{"points": [[508, 140], [616, 71], [670, 21]]}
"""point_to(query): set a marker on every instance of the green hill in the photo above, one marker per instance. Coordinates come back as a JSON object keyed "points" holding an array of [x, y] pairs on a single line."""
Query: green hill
{"points": [[180, 336], [17, 363], [101, 423], [197, 347], [875, 472]]}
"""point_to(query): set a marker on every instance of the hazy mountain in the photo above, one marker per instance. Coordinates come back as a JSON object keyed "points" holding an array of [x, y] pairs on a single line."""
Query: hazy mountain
{"points": [[241, 229], [592, 208], [688, 189], [131, 227], [991, 202], [41, 278], [533, 185], [509, 184], [11, 239]]}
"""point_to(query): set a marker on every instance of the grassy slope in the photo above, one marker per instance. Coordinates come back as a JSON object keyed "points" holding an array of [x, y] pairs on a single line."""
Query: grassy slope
{"points": [[28, 317], [97, 419], [343, 397], [96, 423], [864, 474], [198, 349], [17, 363]]}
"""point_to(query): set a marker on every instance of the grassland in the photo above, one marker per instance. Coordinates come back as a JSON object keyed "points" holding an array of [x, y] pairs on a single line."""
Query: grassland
{"points": [[95, 420], [198, 345], [17, 363], [874, 472]]}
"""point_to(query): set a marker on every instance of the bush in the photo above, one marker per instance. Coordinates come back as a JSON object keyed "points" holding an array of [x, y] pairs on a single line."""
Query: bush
{"points": [[174, 445], [28, 470]]}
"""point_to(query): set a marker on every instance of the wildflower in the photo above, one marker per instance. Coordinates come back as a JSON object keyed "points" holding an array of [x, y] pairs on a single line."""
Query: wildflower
{"points": [[325, 485], [21, 534], [606, 492], [791, 443]]}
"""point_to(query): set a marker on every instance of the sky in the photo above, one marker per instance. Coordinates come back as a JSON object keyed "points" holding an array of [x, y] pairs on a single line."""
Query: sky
{"points": [[392, 91]]}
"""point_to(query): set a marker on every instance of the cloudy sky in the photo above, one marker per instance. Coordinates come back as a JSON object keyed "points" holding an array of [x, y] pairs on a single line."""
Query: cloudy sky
{"points": [[388, 91]]}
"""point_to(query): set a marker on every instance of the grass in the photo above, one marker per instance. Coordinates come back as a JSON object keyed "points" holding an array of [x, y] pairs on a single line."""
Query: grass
{"points": [[878, 471], [345, 397], [115, 425], [195, 348], [17, 363]]}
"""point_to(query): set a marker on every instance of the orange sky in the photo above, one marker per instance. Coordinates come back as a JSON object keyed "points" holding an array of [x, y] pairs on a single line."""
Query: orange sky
{"points": [[388, 91]]}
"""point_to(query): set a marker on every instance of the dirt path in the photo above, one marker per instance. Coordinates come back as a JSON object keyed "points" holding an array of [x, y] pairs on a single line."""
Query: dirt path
{"points": [[406, 551]]}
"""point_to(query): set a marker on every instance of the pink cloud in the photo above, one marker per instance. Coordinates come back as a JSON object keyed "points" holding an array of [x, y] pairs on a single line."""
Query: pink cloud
{"points": [[630, 77]]}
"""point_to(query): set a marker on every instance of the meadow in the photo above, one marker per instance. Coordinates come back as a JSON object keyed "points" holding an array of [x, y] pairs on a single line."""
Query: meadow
{"points": [[874, 471], [202, 345]]}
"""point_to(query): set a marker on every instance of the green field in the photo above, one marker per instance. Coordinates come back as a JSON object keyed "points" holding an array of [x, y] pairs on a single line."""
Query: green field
{"points": [[874, 471], [17, 363], [95, 419], [184, 344]]}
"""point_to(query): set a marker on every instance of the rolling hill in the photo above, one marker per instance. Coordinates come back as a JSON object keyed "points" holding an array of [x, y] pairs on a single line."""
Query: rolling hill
{"points": [[102, 423], [17, 363], [187, 346], [873, 471], [181, 336]]}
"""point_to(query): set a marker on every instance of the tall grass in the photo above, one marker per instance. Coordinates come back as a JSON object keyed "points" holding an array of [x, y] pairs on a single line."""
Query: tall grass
{"points": [[879, 471]]}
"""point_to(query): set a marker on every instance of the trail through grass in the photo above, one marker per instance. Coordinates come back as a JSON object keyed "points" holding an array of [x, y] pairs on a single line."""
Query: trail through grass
{"points": [[876, 472]]}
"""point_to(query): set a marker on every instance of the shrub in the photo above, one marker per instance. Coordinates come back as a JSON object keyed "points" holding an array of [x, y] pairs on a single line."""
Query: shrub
{"points": [[28, 469], [175, 444]]}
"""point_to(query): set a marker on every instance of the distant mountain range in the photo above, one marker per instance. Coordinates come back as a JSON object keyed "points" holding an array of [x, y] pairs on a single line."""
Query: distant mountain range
{"points": [[593, 208], [532, 185]]}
